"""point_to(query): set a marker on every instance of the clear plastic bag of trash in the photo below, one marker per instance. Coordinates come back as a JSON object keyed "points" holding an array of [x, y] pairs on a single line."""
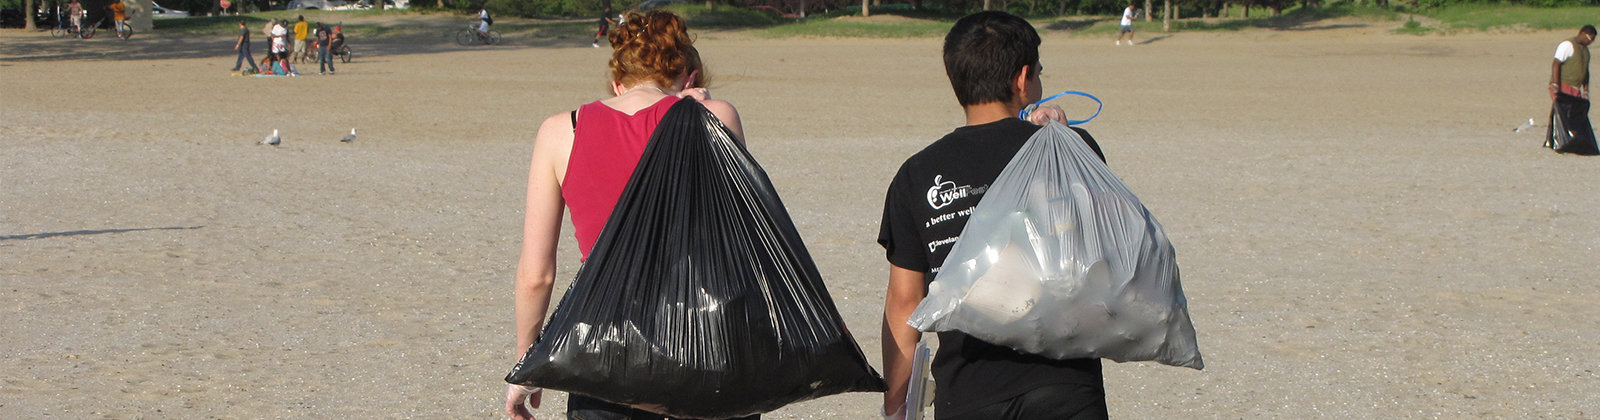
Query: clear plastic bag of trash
{"points": [[699, 299], [1060, 259]]}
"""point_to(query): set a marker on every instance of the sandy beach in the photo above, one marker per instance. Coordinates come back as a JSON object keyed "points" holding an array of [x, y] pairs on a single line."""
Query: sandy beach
{"points": [[1360, 231]]}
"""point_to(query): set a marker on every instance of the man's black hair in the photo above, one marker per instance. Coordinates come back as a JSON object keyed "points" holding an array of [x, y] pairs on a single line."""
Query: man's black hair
{"points": [[984, 51], [302, 18], [1588, 29]]}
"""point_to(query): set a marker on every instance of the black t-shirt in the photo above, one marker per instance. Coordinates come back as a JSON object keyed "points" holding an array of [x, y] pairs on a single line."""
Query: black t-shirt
{"points": [[322, 38], [928, 204], [244, 35]]}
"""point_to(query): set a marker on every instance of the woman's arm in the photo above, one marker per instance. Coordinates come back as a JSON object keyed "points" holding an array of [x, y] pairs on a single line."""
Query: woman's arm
{"points": [[536, 268], [729, 116]]}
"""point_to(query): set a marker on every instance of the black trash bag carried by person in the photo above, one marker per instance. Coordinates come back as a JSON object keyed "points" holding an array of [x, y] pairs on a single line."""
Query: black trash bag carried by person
{"points": [[1570, 131], [699, 299]]}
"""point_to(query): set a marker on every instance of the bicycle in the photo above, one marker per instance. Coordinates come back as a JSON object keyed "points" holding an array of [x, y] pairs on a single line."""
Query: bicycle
{"points": [[87, 31], [472, 36], [64, 27]]}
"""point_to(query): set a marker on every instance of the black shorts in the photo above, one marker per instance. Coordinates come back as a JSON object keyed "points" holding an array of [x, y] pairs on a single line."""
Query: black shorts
{"points": [[585, 408], [1053, 402]]}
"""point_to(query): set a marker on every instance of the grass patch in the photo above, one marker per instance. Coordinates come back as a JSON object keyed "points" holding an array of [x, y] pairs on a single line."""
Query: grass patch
{"points": [[227, 25], [1485, 17], [860, 28], [928, 11], [1291, 18], [583, 29], [887, 21], [723, 17], [1412, 27]]}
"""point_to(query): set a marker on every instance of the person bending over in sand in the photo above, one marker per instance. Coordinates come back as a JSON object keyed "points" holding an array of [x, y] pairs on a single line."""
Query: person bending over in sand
{"points": [[582, 160], [992, 59], [1569, 88]]}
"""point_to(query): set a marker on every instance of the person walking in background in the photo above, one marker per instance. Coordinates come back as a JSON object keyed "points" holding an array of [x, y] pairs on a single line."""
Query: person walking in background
{"points": [[324, 56], [1127, 25], [301, 28], [1570, 130], [118, 15], [605, 25], [992, 59], [243, 47], [583, 159], [75, 10]]}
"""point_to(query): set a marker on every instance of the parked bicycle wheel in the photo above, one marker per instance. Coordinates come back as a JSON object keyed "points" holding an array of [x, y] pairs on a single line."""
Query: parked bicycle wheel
{"points": [[127, 31], [344, 54], [494, 38], [87, 32], [465, 38], [60, 32]]}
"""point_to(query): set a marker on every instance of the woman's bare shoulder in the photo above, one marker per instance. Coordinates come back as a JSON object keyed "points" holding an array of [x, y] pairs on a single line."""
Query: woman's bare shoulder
{"points": [[556, 131], [718, 106]]}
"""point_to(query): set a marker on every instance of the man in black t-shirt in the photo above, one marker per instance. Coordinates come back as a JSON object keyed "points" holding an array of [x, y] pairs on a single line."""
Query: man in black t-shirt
{"points": [[992, 59], [243, 47]]}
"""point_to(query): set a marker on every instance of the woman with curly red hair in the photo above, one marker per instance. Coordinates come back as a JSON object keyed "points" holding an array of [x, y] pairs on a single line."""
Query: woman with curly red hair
{"points": [[583, 159]]}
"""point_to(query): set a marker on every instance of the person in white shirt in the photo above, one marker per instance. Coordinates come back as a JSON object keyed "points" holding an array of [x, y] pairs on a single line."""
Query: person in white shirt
{"points": [[483, 23], [1127, 25], [280, 47]]}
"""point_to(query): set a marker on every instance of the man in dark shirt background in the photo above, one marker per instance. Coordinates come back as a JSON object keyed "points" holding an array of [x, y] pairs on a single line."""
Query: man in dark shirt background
{"points": [[992, 59], [243, 47]]}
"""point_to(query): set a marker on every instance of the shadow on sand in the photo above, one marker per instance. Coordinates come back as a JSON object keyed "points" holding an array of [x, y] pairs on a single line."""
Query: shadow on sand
{"points": [[89, 232], [1149, 41]]}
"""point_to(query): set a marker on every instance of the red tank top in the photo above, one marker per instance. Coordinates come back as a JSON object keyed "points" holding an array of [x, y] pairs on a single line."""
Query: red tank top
{"points": [[606, 146]]}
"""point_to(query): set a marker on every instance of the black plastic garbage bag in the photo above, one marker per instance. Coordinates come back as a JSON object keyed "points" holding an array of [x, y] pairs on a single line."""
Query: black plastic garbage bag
{"points": [[699, 299], [1570, 131]]}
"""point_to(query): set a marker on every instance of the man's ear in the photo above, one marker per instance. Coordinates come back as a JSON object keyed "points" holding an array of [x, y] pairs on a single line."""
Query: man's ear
{"points": [[1019, 83]]}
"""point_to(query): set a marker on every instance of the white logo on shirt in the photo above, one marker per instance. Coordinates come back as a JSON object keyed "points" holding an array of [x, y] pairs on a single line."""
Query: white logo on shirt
{"points": [[945, 192]]}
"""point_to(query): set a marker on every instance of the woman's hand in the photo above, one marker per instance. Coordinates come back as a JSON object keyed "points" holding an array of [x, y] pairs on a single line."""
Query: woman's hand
{"points": [[516, 396], [699, 94]]}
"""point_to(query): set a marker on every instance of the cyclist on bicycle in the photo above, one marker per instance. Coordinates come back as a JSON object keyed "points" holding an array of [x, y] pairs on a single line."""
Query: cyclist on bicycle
{"points": [[483, 24], [75, 10], [118, 15], [336, 41]]}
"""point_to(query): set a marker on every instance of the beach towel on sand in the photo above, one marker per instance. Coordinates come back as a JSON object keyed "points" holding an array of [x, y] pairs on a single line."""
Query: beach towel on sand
{"points": [[1570, 131], [1060, 259], [699, 299]]}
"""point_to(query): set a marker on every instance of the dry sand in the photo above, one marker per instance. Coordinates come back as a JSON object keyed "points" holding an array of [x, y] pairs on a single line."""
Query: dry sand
{"points": [[1361, 233]]}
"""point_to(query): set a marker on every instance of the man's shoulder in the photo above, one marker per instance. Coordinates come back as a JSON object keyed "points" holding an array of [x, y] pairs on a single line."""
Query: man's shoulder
{"points": [[968, 141]]}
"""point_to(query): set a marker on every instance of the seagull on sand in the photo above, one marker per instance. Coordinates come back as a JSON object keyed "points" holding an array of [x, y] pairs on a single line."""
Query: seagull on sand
{"points": [[272, 140], [1525, 126], [349, 138]]}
